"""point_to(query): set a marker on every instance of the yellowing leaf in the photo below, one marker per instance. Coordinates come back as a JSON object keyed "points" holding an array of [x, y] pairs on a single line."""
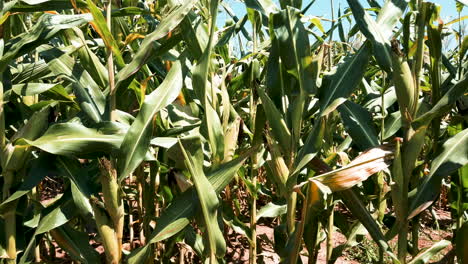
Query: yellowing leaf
{"points": [[131, 37]]}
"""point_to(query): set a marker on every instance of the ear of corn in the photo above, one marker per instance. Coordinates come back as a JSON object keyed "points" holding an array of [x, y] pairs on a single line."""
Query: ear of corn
{"points": [[406, 91]]}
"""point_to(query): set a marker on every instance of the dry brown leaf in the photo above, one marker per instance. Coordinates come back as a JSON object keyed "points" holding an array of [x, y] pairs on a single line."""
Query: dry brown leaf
{"points": [[362, 167]]}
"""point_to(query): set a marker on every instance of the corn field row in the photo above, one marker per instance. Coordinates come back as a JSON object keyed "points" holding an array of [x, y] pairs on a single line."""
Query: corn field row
{"points": [[149, 132]]}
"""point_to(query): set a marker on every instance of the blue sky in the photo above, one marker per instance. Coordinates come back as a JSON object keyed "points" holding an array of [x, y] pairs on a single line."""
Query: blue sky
{"points": [[321, 8]]}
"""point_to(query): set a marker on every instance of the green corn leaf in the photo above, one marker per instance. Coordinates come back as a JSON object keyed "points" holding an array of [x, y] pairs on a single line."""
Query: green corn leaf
{"points": [[357, 208], [462, 243], [27, 89], [195, 35], [358, 123], [426, 255], [88, 60], [75, 243], [444, 104], [293, 42], [214, 129], [340, 27], [275, 76], [271, 210], [276, 121], [311, 146], [291, 38], [464, 47], [137, 140], [48, 5], [454, 155], [40, 167], [338, 86], [350, 72], [100, 25], [149, 45], [28, 252], [35, 126], [88, 94], [245, 33], [74, 139], [80, 184], [201, 71], [411, 150], [177, 216], [208, 201], [58, 216], [229, 33], [392, 124], [266, 7], [370, 29], [30, 72], [129, 11], [13, 155], [47, 27]]}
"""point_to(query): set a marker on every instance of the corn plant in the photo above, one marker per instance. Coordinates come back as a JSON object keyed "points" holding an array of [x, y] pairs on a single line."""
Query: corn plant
{"points": [[164, 140]]}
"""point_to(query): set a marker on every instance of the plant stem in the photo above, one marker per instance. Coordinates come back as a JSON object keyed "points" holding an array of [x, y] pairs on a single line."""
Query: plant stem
{"points": [[291, 212], [417, 67], [380, 176], [460, 200], [460, 38], [407, 167], [300, 231], [254, 172], [140, 182], [2, 116], [330, 49], [315, 223], [415, 235], [403, 237], [117, 213], [330, 232], [403, 203], [253, 224], [254, 161], [113, 203], [9, 217], [110, 66], [35, 195], [10, 231], [130, 223]]}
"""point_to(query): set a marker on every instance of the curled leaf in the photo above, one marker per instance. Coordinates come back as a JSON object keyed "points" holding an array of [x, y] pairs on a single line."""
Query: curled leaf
{"points": [[369, 162]]}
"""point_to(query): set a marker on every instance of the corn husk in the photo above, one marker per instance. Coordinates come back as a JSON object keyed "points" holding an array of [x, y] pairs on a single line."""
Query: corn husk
{"points": [[406, 92]]}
